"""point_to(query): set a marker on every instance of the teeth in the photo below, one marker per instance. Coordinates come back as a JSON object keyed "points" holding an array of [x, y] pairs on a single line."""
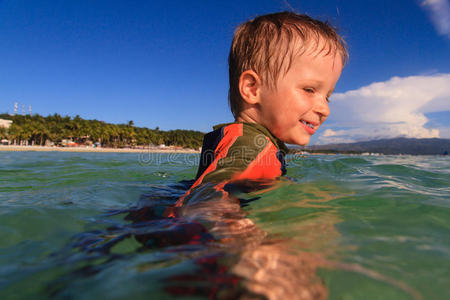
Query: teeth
{"points": [[308, 124]]}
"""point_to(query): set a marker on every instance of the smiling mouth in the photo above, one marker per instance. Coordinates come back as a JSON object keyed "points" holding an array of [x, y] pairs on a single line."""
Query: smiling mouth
{"points": [[307, 124]]}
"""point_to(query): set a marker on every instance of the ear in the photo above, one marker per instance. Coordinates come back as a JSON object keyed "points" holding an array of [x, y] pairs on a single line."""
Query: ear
{"points": [[249, 86]]}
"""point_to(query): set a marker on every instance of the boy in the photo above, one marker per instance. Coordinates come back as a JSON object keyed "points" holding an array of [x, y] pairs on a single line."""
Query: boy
{"points": [[282, 69]]}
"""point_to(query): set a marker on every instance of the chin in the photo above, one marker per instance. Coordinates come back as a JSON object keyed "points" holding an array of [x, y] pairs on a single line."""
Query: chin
{"points": [[299, 141], [303, 141], [294, 137]]}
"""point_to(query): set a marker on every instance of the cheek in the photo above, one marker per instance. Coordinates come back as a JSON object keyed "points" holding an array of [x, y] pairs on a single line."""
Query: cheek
{"points": [[300, 107], [291, 103]]}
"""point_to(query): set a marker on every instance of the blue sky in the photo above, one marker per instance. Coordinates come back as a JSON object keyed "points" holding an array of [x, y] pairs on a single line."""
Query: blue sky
{"points": [[164, 63]]}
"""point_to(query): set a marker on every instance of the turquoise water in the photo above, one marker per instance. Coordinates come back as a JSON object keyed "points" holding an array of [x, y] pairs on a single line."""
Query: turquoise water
{"points": [[89, 225]]}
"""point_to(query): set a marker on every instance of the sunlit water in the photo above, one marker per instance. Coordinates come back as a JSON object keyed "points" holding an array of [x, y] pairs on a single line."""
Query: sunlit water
{"points": [[91, 225]]}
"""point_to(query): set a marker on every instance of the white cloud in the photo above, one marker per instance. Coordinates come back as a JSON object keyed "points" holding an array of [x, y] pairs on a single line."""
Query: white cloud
{"points": [[388, 109], [439, 12], [329, 132]]}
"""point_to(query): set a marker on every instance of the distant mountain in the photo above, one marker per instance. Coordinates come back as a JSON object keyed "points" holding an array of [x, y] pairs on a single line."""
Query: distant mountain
{"points": [[391, 146]]}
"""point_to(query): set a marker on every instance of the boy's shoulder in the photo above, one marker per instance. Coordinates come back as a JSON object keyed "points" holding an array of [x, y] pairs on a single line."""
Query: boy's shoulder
{"points": [[252, 135], [245, 148], [236, 153]]}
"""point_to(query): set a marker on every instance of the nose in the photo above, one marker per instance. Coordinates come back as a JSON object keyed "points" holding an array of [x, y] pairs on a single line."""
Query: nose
{"points": [[321, 107]]}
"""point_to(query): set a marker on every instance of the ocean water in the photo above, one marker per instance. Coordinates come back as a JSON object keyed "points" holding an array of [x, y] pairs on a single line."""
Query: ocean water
{"points": [[92, 226]]}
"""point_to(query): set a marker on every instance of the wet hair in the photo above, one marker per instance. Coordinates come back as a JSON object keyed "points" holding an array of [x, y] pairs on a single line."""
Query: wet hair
{"points": [[268, 45]]}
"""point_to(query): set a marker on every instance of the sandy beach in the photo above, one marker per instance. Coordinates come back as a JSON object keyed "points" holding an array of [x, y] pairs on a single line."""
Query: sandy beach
{"points": [[90, 149]]}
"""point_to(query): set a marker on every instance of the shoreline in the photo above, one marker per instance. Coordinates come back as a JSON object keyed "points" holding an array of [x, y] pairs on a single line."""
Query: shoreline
{"points": [[15, 148]]}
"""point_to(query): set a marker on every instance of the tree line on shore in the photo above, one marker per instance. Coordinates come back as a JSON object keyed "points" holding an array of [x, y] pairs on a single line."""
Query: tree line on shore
{"points": [[40, 130]]}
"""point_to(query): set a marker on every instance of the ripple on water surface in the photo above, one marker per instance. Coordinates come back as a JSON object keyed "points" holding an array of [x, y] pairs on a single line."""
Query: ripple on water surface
{"points": [[92, 225]]}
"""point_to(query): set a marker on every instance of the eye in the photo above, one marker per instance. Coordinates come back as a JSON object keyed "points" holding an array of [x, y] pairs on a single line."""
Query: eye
{"points": [[328, 99], [309, 90]]}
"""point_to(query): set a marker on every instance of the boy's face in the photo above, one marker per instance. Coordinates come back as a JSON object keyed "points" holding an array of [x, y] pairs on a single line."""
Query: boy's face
{"points": [[298, 106]]}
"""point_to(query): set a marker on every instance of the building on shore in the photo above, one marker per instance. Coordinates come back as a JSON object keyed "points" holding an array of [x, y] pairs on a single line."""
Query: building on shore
{"points": [[5, 123]]}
